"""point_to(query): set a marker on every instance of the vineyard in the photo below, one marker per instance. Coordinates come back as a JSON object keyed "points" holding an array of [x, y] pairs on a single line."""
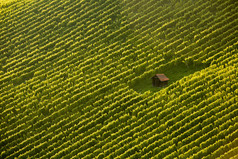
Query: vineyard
{"points": [[75, 79]]}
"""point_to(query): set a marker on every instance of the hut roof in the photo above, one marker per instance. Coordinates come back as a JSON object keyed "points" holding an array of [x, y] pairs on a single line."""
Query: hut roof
{"points": [[162, 77]]}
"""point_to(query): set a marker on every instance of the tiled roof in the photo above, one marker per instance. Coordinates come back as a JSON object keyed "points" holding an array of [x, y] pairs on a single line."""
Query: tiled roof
{"points": [[162, 77]]}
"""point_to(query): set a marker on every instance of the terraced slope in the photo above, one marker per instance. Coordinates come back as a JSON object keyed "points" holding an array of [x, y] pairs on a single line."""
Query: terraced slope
{"points": [[70, 70]]}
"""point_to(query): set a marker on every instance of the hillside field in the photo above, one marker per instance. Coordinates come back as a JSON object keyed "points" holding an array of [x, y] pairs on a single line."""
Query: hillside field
{"points": [[75, 79]]}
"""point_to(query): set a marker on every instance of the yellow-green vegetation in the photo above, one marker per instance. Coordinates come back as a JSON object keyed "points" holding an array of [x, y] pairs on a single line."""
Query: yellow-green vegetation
{"points": [[4, 2], [75, 79]]}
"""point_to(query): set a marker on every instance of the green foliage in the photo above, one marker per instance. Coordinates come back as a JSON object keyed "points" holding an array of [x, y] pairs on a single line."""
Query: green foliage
{"points": [[75, 79]]}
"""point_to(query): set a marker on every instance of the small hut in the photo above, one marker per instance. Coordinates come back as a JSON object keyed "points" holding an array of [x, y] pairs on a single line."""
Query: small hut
{"points": [[159, 80]]}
